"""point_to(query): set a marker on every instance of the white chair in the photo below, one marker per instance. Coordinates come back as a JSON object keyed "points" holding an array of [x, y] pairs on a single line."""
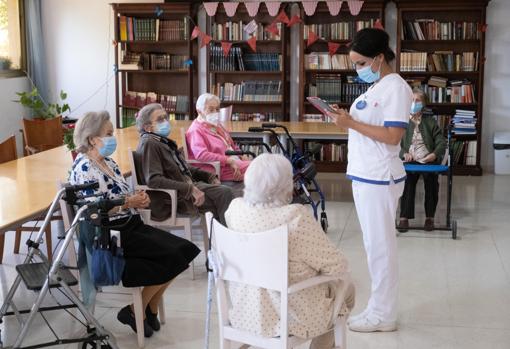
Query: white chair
{"points": [[214, 164], [261, 260], [175, 220], [226, 114], [134, 292]]}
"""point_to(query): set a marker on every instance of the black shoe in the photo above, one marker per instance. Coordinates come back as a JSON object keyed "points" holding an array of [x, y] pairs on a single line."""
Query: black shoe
{"points": [[152, 319], [127, 317], [429, 224], [403, 225]]}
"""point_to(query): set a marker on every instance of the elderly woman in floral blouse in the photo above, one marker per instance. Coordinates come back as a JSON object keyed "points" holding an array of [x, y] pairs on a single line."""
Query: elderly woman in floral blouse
{"points": [[266, 204]]}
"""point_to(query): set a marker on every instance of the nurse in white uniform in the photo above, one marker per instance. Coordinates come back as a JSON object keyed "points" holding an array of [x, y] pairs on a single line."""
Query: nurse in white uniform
{"points": [[376, 122]]}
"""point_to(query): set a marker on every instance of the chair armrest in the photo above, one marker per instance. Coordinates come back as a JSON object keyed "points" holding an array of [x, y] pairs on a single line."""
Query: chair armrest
{"points": [[215, 164], [31, 150], [316, 280], [146, 213]]}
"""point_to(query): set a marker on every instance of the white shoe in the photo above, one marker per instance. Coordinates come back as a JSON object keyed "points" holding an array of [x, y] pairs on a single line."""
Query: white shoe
{"points": [[369, 324], [356, 317]]}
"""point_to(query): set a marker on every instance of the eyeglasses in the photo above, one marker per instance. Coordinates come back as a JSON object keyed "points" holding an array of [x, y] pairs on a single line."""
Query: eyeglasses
{"points": [[162, 117]]}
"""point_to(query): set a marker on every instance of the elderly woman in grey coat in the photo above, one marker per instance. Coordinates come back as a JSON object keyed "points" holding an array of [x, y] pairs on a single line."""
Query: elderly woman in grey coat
{"points": [[164, 167], [266, 204]]}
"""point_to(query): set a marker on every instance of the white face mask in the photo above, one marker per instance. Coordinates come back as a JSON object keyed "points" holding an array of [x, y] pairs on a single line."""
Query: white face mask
{"points": [[213, 118]]}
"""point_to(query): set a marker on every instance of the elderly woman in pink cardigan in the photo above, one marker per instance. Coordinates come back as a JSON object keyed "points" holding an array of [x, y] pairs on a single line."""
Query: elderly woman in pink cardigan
{"points": [[208, 140]]}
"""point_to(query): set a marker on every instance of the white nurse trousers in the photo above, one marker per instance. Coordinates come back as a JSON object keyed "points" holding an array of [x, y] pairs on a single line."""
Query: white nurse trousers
{"points": [[376, 206]]}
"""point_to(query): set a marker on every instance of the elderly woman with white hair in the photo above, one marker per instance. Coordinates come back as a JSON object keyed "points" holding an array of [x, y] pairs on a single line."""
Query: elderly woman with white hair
{"points": [[266, 204], [153, 257], [208, 140]]}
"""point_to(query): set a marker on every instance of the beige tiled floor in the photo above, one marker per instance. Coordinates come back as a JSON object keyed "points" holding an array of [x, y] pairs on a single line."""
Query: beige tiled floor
{"points": [[453, 294]]}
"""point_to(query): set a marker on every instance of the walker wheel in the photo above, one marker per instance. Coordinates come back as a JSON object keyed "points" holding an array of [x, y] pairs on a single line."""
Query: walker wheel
{"points": [[93, 345], [454, 229], [324, 222]]}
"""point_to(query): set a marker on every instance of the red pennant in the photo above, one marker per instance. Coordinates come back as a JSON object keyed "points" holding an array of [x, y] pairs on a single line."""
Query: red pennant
{"points": [[378, 24], [312, 37], [282, 17], [206, 39], [226, 46], [483, 28], [114, 43], [294, 20], [196, 32], [273, 29], [252, 42], [333, 47]]}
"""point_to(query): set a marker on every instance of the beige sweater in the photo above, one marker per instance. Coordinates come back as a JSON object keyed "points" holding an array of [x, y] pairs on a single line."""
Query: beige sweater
{"points": [[311, 253]]}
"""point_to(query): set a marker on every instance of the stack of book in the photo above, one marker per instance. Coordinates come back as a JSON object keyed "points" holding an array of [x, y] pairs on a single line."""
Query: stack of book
{"points": [[128, 60], [237, 61], [258, 117], [234, 31], [440, 90], [327, 87], [162, 61], [322, 60], [430, 29], [152, 29], [464, 122], [249, 91], [337, 31], [438, 61]]}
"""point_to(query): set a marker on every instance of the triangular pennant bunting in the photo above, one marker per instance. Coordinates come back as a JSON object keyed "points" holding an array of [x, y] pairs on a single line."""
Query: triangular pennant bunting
{"points": [[252, 8], [273, 29], [378, 24], [282, 17], [252, 42], [196, 32], [334, 7], [294, 20], [226, 46], [312, 37], [272, 7], [355, 6], [210, 8], [333, 47], [309, 7], [206, 39], [230, 8]]}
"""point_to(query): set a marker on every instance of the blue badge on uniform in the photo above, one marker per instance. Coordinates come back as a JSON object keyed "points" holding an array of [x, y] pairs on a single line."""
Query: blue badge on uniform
{"points": [[361, 105]]}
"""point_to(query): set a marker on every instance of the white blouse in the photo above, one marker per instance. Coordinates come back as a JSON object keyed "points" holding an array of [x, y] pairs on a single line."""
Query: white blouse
{"points": [[311, 253]]}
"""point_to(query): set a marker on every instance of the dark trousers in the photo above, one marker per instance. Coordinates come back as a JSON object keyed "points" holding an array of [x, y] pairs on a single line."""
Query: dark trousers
{"points": [[217, 199], [431, 182]]}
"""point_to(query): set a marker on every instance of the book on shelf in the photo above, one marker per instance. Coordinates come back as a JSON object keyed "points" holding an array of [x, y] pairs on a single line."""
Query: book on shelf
{"points": [[339, 30], [332, 152], [172, 104], [249, 91], [442, 90], [316, 118], [128, 117], [234, 31], [443, 61], [464, 122], [152, 29], [128, 60], [431, 29], [327, 87], [258, 117], [323, 60], [463, 152], [162, 61], [236, 60]]}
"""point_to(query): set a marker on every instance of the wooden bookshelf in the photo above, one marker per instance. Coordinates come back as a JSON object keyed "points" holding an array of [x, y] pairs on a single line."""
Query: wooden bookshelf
{"points": [[471, 11], [173, 82], [222, 76]]}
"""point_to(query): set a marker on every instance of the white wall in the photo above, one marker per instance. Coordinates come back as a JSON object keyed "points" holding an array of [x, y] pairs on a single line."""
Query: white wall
{"points": [[78, 35], [11, 113]]}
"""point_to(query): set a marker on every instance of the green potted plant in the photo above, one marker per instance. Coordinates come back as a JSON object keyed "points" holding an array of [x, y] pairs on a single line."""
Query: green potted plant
{"points": [[40, 109], [69, 140]]}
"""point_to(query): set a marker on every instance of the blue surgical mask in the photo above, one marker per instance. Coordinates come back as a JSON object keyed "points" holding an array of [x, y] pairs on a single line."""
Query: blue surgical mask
{"points": [[416, 107], [366, 74], [109, 146], [163, 129]]}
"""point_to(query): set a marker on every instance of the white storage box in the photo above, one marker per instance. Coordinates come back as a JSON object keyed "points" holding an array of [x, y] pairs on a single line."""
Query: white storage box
{"points": [[501, 146]]}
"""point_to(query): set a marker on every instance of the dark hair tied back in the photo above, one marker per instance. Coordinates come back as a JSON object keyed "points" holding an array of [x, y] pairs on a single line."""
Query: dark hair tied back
{"points": [[371, 42]]}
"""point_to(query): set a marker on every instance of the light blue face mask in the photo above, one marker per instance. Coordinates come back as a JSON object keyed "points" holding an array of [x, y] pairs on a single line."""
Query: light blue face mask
{"points": [[163, 129], [109, 146], [416, 107], [366, 74]]}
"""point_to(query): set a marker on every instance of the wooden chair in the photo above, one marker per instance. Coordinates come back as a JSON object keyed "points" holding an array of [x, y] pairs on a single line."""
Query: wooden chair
{"points": [[8, 153], [40, 135], [261, 260], [134, 292]]}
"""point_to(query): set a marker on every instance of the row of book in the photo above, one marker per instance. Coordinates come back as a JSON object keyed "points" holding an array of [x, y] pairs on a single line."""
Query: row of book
{"points": [[310, 117], [172, 104], [249, 91], [323, 60], [464, 122], [258, 117], [333, 90], [239, 61], [438, 61], [329, 152], [152, 29], [259, 149], [235, 31], [430, 29], [463, 152], [441, 90], [338, 30], [128, 117], [162, 61]]}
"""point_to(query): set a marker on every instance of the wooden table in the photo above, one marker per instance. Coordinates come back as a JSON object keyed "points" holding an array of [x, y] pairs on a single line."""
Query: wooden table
{"points": [[29, 184]]}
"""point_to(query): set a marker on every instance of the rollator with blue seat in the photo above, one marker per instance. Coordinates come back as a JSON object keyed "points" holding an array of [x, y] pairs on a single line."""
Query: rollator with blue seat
{"points": [[445, 168]]}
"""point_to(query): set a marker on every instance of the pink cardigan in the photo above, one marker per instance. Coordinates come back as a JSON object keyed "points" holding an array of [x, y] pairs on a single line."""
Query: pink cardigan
{"points": [[205, 144]]}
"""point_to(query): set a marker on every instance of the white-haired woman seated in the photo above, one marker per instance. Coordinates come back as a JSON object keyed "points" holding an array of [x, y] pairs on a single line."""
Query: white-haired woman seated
{"points": [[266, 204]]}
